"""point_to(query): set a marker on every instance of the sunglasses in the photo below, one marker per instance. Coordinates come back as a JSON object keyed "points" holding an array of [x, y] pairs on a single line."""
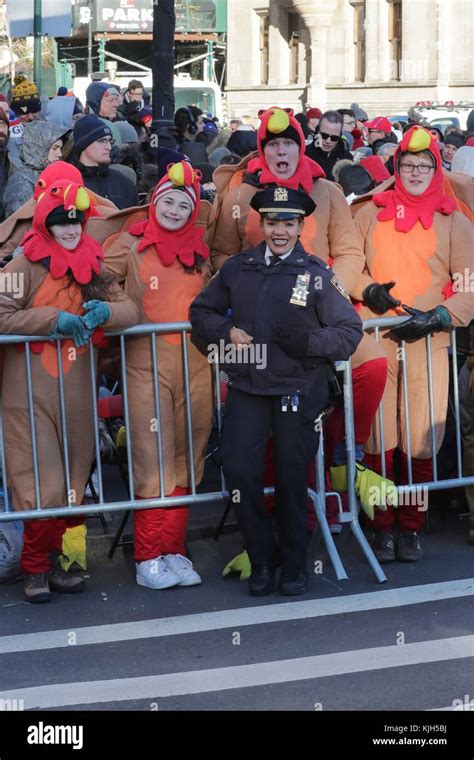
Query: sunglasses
{"points": [[325, 136]]}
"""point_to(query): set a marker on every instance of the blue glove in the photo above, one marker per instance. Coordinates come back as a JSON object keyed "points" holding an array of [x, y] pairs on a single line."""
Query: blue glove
{"points": [[71, 326], [98, 312]]}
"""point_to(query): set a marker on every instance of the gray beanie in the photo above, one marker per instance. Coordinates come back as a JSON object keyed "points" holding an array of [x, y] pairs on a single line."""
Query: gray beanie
{"points": [[359, 112], [218, 154], [127, 132]]}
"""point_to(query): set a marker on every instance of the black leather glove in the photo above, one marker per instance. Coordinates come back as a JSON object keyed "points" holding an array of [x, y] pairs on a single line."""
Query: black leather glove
{"points": [[294, 341], [378, 298], [422, 323]]}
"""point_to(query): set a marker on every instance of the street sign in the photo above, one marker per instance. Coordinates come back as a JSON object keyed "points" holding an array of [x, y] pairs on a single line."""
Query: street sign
{"points": [[55, 18], [137, 16]]}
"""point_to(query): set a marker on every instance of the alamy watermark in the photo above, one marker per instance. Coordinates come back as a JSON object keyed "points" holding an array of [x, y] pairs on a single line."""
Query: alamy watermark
{"points": [[12, 284], [228, 353]]}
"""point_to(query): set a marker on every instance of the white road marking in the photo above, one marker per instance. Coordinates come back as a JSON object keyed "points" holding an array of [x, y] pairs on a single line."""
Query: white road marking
{"points": [[209, 621], [243, 676]]}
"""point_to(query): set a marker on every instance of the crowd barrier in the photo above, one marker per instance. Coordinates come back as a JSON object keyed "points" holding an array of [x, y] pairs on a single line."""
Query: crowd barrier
{"points": [[317, 496]]}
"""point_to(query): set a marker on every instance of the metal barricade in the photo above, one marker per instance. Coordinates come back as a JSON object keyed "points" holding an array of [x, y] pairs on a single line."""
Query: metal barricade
{"points": [[69, 509], [351, 517], [318, 497]]}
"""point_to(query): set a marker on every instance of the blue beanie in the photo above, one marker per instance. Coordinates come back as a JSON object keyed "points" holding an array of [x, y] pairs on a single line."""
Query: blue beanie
{"points": [[87, 130]]}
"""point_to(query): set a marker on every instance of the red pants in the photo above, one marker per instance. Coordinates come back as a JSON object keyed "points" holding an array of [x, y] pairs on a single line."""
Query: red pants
{"points": [[408, 517], [160, 531], [368, 383], [40, 538]]}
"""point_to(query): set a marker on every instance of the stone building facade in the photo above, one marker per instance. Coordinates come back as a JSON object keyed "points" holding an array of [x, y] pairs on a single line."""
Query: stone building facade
{"points": [[384, 54]]}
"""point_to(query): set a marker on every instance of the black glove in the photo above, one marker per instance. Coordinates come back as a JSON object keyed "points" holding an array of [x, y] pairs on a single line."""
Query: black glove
{"points": [[422, 323], [378, 298], [294, 341]]}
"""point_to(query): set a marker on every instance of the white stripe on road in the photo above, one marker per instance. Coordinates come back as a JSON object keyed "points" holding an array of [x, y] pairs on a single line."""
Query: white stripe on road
{"points": [[243, 676], [210, 621]]}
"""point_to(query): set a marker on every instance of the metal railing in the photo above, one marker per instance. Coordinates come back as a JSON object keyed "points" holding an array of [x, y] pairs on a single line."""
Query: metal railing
{"points": [[317, 496]]}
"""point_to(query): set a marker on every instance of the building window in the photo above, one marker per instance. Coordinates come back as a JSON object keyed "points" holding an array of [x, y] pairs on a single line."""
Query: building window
{"points": [[293, 44], [264, 20], [395, 37], [359, 39]]}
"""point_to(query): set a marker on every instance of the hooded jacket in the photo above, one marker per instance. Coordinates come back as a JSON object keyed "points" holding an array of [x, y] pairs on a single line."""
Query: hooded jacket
{"points": [[94, 95], [37, 140], [60, 111]]}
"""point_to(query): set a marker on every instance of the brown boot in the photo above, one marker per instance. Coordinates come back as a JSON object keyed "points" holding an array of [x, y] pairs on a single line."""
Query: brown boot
{"points": [[62, 582], [36, 588]]}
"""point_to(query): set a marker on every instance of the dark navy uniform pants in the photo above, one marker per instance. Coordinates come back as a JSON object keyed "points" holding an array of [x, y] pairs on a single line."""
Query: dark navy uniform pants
{"points": [[248, 423]]}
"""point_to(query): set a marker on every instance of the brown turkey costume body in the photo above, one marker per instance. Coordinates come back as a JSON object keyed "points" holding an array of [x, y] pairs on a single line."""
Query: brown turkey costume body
{"points": [[54, 281], [161, 272], [422, 243]]}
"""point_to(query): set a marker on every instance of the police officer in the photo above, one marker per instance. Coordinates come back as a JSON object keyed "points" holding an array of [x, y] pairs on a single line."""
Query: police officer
{"points": [[290, 319]]}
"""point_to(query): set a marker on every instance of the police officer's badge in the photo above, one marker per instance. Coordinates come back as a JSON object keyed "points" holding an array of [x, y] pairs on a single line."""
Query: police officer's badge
{"points": [[300, 291], [280, 194], [340, 288]]}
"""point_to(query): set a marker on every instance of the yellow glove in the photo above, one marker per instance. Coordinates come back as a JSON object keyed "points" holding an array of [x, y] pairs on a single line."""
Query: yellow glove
{"points": [[239, 564], [122, 437], [74, 548], [372, 489]]}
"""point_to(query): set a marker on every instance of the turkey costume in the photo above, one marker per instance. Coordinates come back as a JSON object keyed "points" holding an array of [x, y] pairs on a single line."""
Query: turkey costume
{"points": [[56, 282], [19, 223], [162, 272], [420, 250]]}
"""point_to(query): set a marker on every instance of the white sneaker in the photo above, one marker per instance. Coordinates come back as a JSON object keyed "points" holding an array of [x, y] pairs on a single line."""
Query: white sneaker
{"points": [[183, 568], [155, 573]]}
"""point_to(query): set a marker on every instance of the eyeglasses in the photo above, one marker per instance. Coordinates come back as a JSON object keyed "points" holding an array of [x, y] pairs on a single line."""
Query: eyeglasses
{"points": [[325, 136], [410, 168], [350, 124], [106, 141]]}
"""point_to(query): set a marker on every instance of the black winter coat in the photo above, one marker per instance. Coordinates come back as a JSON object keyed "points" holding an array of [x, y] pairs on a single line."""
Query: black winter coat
{"points": [[110, 183], [328, 160], [258, 297]]}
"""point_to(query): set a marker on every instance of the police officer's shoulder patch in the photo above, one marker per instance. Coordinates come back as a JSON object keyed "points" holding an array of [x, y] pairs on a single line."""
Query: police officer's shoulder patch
{"points": [[335, 282]]}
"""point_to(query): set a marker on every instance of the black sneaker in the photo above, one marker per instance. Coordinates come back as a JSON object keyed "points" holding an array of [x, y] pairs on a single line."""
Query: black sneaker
{"points": [[409, 547], [383, 546]]}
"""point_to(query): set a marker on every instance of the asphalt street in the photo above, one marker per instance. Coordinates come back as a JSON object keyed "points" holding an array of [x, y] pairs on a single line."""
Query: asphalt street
{"points": [[350, 645]]}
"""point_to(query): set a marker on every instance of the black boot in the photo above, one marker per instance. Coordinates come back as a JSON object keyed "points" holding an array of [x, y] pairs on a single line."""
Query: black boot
{"points": [[262, 579]]}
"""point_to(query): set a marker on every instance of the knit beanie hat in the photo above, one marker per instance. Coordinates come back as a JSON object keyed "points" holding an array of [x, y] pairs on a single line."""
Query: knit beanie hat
{"points": [[127, 132], [359, 112], [181, 177], [454, 139], [25, 96], [314, 113], [355, 179], [87, 130]]}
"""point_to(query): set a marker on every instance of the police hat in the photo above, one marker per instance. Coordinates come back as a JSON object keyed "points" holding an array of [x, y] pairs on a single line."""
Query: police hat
{"points": [[282, 203]]}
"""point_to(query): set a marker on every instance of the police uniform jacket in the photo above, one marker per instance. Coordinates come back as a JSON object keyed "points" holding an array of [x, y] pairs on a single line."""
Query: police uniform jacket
{"points": [[258, 297]]}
